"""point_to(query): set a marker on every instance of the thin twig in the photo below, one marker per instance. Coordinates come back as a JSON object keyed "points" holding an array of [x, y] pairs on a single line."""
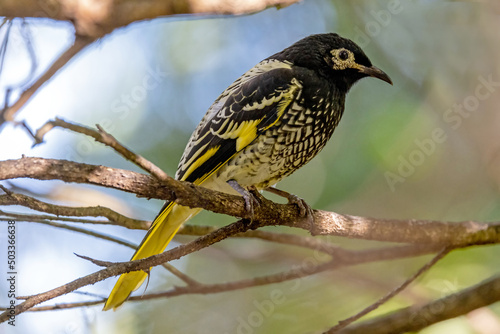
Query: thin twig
{"points": [[94, 211], [95, 261], [281, 238], [88, 232], [83, 293], [79, 43], [415, 318], [344, 323], [173, 270], [23, 125], [3, 51], [4, 21], [34, 218], [105, 138], [61, 306], [7, 191], [86, 293], [26, 33]]}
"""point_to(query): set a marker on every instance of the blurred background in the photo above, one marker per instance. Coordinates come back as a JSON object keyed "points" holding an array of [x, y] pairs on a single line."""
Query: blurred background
{"points": [[426, 148]]}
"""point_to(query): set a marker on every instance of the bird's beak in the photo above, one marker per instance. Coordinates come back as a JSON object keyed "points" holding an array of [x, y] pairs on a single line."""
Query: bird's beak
{"points": [[375, 72]]}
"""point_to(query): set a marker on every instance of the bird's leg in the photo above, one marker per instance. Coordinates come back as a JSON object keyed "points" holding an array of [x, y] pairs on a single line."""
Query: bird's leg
{"points": [[249, 196], [304, 209]]}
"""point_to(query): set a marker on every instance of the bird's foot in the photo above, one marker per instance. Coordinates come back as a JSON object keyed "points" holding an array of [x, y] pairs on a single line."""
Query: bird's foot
{"points": [[251, 197], [305, 209]]}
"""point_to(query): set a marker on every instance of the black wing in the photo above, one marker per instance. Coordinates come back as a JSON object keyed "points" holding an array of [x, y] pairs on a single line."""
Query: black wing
{"points": [[246, 112]]}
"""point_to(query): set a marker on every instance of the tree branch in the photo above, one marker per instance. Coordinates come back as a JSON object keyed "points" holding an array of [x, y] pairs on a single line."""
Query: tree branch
{"points": [[297, 272], [414, 318], [93, 20], [266, 214], [123, 267], [344, 323], [107, 139], [347, 259], [188, 280], [59, 210], [99, 18], [433, 233], [85, 231], [192, 230], [115, 218]]}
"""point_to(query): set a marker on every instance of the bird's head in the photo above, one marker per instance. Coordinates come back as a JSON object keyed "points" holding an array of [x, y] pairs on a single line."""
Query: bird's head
{"points": [[336, 58]]}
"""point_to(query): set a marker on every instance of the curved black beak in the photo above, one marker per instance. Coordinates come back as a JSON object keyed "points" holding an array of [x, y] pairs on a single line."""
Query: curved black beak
{"points": [[375, 72]]}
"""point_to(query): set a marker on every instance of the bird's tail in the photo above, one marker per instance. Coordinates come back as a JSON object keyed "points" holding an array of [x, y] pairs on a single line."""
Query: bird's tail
{"points": [[163, 229]]}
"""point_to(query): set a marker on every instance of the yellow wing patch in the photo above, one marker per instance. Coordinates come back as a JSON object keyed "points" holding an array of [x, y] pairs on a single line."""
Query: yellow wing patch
{"points": [[246, 133], [209, 153]]}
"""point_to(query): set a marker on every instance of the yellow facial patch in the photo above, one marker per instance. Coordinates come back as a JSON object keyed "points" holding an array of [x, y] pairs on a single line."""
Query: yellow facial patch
{"points": [[341, 64]]}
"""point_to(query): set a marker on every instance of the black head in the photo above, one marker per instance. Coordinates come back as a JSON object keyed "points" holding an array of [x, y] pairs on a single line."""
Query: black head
{"points": [[338, 59]]}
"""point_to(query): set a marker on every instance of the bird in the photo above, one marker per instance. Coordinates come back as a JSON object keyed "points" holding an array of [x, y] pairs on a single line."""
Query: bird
{"points": [[267, 124]]}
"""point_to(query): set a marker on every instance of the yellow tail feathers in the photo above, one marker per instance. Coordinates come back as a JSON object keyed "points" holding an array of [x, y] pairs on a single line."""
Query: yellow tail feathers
{"points": [[163, 229]]}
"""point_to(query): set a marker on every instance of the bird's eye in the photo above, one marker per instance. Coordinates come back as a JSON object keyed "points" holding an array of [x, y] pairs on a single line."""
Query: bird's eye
{"points": [[341, 59], [343, 55]]}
